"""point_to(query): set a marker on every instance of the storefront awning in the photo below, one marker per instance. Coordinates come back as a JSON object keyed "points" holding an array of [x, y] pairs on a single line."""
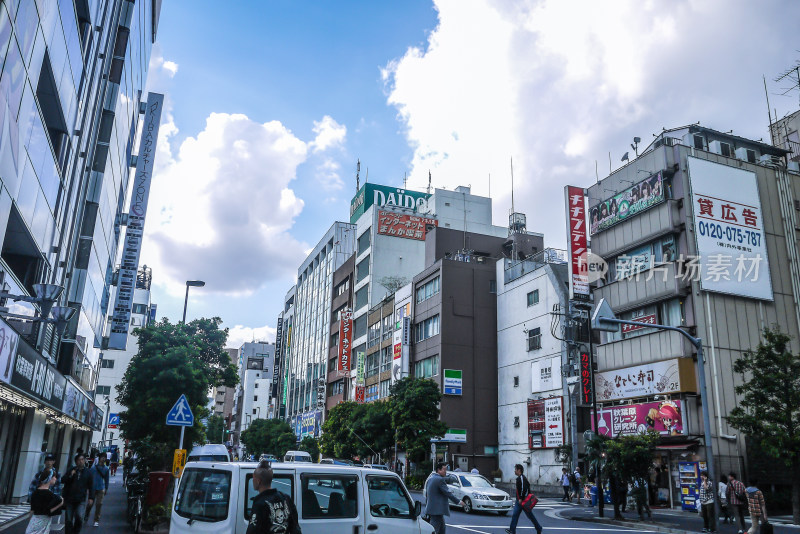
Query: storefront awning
{"points": [[680, 446]]}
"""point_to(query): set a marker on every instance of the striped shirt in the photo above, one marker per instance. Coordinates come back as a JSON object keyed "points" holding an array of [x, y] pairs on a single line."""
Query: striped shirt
{"points": [[733, 488]]}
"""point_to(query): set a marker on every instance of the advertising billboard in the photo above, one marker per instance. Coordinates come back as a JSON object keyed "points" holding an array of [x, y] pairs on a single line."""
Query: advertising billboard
{"points": [[665, 417], [729, 230], [277, 362], [404, 225], [8, 350], [636, 199], [381, 195], [657, 378], [577, 243], [345, 341]]}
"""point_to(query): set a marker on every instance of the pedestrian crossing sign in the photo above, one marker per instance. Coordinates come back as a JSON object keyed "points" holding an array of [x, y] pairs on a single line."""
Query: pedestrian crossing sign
{"points": [[181, 413]]}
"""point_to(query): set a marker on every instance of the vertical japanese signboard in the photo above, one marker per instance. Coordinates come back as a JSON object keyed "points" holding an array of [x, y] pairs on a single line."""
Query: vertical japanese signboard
{"points": [[277, 363], [587, 378], [577, 244], [554, 422], [360, 394], [345, 340], [729, 231], [132, 246]]}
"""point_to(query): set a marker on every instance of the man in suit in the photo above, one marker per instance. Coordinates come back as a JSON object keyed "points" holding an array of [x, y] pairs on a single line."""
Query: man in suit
{"points": [[523, 490], [438, 496]]}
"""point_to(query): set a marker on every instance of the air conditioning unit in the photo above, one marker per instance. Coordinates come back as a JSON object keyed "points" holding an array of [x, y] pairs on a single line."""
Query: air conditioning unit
{"points": [[765, 159], [746, 154], [715, 147], [793, 166]]}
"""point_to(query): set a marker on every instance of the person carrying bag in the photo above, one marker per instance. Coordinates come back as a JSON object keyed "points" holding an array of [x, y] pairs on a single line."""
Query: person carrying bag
{"points": [[44, 504], [526, 500]]}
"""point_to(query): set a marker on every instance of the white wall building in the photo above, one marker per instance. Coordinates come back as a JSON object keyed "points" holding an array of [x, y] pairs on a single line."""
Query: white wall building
{"points": [[252, 397], [530, 359]]}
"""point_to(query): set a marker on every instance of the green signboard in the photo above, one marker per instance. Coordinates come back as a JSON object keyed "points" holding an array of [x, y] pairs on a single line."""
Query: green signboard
{"points": [[381, 195]]}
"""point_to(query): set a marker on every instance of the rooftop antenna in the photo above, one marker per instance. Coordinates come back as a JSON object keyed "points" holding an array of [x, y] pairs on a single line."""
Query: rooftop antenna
{"points": [[512, 184], [405, 179], [429, 181], [769, 114], [795, 85], [490, 185], [635, 145], [366, 177], [358, 180]]}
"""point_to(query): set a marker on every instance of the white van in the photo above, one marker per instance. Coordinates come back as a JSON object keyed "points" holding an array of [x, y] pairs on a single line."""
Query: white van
{"points": [[210, 452], [331, 499], [297, 456]]}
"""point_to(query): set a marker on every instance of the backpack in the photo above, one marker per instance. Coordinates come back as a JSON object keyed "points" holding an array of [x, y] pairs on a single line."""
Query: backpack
{"points": [[572, 479]]}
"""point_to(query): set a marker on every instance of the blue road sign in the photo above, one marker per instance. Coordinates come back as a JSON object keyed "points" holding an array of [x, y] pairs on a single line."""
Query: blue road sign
{"points": [[113, 420], [452, 390], [181, 413]]}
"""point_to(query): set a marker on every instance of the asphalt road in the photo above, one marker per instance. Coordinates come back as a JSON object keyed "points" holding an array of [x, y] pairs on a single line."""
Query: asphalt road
{"points": [[545, 512]]}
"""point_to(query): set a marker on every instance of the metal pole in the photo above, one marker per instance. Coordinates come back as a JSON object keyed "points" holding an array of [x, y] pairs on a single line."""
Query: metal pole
{"points": [[180, 446], [595, 417], [185, 302]]}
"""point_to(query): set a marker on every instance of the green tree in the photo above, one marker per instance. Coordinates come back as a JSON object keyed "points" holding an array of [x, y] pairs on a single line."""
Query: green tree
{"points": [[269, 436], [214, 428], [310, 445], [337, 441], [374, 426], [769, 406], [414, 409], [173, 359], [630, 458]]}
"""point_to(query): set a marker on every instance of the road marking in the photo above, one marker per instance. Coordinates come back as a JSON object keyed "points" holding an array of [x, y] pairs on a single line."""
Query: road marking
{"points": [[581, 528]]}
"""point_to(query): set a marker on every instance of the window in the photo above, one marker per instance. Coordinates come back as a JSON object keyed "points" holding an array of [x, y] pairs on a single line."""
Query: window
{"points": [[492, 286], [334, 340], [106, 364], [360, 326], [533, 297], [698, 142], [341, 288], [254, 411], [102, 390], [427, 290], [386, 359], [329, 496], [534, 339], [373, 334], [363, 242], [383, 390], [426, 329], [662, 250], [140, 309], [362, 269], [388, 498], [516, 381], [204, 495], [516, 421], [337, 388], [256, 385], [362, 296], [373, 363], [427, 368], [255, 398], [281, 482], [670, 313], [725, 148], [388, 328]]}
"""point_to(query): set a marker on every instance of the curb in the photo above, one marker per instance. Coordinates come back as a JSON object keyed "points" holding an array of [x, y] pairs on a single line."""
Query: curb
{"points": [[15, 521], [641, 525]]}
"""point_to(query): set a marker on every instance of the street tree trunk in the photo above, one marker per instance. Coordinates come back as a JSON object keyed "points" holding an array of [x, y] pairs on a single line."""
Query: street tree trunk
{"points": [[796, 491]]}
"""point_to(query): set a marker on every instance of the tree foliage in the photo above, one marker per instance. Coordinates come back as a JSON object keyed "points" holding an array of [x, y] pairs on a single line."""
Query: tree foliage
{"points": [[214, 427], [310, 445], [769, 406], [173, 359], [630, 458], [414, 409], [269, 436], [337, 441]]}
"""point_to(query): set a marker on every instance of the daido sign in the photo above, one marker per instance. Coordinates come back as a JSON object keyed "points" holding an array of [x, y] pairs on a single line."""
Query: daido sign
{"points": [[381, 195]]}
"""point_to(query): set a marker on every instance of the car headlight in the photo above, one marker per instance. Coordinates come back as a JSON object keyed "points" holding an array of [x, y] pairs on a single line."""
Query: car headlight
{"points": [[480, 496]]}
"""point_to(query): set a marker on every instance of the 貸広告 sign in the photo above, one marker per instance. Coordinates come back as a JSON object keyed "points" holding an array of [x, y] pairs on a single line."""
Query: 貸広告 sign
{"points": [[636, 199], [729, 230]]}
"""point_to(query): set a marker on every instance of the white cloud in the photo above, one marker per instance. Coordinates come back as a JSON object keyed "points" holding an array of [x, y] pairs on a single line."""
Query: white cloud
{"points": [[327, 174], [240, 334], [222, 208], [557, 85], [330, 134]]}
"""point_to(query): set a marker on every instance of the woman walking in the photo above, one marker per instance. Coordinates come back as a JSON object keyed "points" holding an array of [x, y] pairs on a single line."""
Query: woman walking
{"points": [[707, 503], [44, 504]]}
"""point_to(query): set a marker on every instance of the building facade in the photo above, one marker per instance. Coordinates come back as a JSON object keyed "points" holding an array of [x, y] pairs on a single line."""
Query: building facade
{"points": [[687, 216], [252, 397], [71, 84]]}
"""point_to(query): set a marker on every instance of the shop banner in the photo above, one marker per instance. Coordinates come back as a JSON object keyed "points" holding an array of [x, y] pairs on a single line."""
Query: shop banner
{"points": [[587, 389], [554, 422], [345, 340], [360, 394], [35, 376], [577, 243], [636, 199], [9, 339], [361, 364], [277, 363], [657, 378], [664, 417]]}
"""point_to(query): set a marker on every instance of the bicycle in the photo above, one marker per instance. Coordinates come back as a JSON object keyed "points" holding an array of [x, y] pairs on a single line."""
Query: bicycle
{"points": [[136, 487]]}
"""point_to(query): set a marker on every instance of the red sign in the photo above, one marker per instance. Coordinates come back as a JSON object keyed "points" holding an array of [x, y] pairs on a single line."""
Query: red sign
{"points": [[345, 340], [404, 225], [665, 417], [398, 352], [577, 245], [535, 424], [645, 320], [360, 394], [586, 378]]}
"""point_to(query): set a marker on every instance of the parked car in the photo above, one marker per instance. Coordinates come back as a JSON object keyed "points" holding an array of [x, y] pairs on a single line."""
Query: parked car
{"points": [[477, 493], [330, 499], [211, 452], [297, 456], [269, 458], [334, 461]]}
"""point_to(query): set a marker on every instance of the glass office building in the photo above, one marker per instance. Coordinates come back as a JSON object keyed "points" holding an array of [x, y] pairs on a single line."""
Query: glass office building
{"points": [[72, 76]]}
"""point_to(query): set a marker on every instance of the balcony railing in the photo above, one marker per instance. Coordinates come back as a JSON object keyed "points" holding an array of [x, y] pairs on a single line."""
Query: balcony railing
{"points": [[794, 148], [517, 269]]}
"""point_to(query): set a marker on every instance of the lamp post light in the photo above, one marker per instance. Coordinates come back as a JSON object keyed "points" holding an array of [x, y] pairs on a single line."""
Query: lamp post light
{"points": [[190, 283]]}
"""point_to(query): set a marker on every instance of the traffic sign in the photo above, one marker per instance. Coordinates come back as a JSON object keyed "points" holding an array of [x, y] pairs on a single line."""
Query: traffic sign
{"points": [[113, 420], [181, 413], [452, 381]]}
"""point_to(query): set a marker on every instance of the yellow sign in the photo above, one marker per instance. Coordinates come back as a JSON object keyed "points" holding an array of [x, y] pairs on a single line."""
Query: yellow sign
{"points": [[178, 461]]}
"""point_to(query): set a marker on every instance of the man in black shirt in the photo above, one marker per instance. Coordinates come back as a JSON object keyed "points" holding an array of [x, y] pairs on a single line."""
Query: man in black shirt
{"points": [[273, 512], [78, 485]]}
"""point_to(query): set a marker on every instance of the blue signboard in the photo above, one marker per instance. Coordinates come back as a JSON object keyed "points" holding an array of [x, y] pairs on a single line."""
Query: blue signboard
{"points": [[181, 414]]}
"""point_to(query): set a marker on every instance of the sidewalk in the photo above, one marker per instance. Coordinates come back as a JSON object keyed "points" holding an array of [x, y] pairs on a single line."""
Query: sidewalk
{"points": [[113, 520], [663, 520]]}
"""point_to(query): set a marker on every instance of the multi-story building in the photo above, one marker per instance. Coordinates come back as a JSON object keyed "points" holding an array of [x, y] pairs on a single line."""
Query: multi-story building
{"points": [[454, 335], [283, 350], [699, 232], [252, 398], [786, 134], [338, 382], [71, 85], [536, 412], [307, 359], [114, 363]]}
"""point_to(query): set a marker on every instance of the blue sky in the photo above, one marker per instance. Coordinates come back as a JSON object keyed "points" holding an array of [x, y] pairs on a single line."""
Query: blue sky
{"points": [[271, 103]]}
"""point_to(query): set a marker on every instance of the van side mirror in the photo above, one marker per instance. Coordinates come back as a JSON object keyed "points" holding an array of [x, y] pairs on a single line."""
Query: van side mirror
{"points": [[417, 509]]}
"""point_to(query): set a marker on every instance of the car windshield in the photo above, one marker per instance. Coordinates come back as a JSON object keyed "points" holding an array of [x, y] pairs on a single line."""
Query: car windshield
{"points": [[204, 495], [474, 481]]}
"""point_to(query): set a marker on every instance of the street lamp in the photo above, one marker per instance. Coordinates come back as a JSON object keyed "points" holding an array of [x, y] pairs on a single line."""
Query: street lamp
{"points": [[190, 283]]}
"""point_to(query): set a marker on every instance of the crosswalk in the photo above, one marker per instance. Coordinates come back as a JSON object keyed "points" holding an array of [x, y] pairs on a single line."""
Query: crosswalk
{"points": [[10, 512]]}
